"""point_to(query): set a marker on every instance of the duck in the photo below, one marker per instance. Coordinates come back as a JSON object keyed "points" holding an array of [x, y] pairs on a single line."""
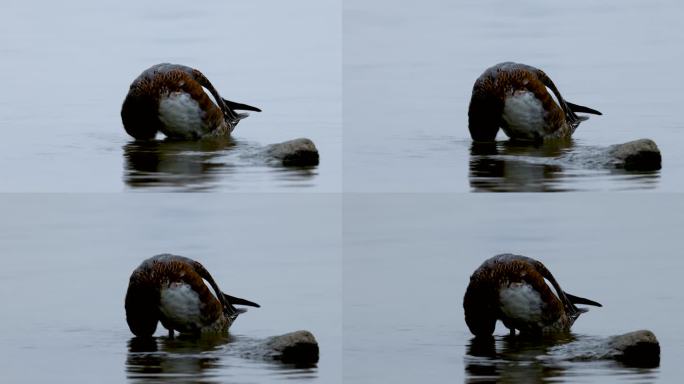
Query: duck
{"points": [[524, 102], [170, 289], [180, 102], [514, 289]]}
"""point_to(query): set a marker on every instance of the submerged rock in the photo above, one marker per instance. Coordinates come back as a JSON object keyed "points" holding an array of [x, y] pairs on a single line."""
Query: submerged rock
{"points": [[638, 348], [298, 152], [637, 155]]}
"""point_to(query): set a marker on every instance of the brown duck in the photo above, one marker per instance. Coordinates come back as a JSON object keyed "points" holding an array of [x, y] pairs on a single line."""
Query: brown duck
{"points": [[171, 99], [512, 288], [171, 289], [523, 101]]}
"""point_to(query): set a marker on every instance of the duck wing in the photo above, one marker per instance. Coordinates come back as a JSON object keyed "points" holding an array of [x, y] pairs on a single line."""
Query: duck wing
{"points": [[570, 109]]}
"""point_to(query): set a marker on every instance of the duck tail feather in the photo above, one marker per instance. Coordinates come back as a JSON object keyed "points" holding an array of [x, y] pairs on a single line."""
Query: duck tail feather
{"points": [[238, 301], [581, 300], [240, 106], [582, 109]]}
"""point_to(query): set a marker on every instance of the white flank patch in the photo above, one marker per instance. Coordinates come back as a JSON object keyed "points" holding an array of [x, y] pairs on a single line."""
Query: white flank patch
{"points": [[180, 304], [181, 115], [524, 115], [521, 302]]}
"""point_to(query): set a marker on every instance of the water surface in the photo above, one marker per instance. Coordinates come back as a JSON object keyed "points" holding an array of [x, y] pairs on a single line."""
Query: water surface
{"points": [[408, 259], [67, 260], [67, 67], [409, 72]]}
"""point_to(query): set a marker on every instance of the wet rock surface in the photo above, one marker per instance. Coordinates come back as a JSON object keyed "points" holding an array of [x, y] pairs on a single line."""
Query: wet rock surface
{"points": [[299, 348], [638, 348], [637, 155], [298, 152]]}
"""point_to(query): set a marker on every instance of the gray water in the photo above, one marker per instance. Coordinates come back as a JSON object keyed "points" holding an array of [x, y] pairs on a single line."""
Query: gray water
{"points": [[66, 67], [408, 259], [409, 72], [67, 260]]}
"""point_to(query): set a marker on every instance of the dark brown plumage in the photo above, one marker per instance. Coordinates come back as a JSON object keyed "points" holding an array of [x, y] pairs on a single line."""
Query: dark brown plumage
{"points": [[144, 113], [171, 289], [511, 288], [514, 97]]}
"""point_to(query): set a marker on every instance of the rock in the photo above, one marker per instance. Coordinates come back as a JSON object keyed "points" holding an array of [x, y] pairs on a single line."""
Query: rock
{"points": [[637, 155], [299, 348], [638, 348], [298, 152]]}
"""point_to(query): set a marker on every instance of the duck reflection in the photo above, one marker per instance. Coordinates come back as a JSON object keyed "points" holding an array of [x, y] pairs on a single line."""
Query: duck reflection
{"points": [[511, 166], [200, 165], [514, 360], [175, 163], [179, 359]]}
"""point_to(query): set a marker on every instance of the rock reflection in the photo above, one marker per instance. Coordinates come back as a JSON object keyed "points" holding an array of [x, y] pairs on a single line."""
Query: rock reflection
{"points": [[514, 360], [180, 359], [175, 163]]}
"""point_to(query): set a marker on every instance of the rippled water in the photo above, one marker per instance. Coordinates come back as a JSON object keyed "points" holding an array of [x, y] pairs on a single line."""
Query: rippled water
{"points": [[208, 165], [67, 260], [513, 167], [409, 71], [67, 66], [408, 259]]}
